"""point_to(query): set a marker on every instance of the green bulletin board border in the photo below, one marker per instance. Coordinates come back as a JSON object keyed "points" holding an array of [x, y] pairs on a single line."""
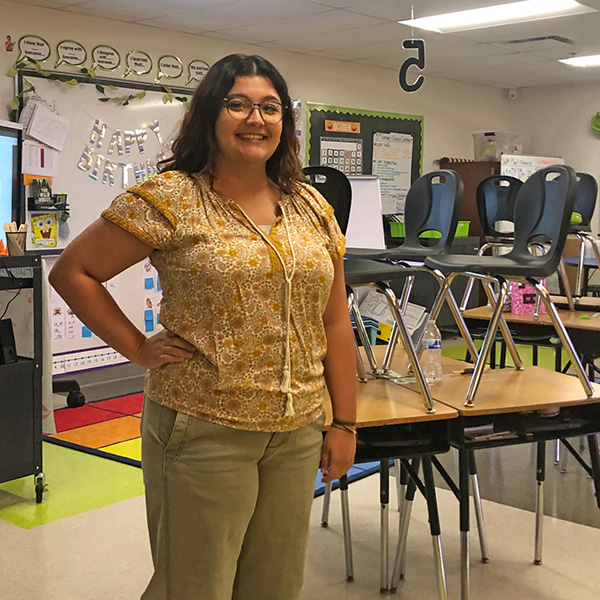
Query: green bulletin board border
{"points": [[310, 106]]}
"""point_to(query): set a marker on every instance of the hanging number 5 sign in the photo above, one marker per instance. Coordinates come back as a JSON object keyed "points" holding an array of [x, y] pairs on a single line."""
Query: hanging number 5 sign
{"points": [[416, 61]]}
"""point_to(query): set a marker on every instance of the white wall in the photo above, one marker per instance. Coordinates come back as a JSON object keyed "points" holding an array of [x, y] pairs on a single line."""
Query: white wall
{"points": [[452, 110], [557, 119]]}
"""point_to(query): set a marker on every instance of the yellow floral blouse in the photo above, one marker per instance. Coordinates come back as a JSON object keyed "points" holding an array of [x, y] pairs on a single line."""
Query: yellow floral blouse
{"points": [[224, 292]]}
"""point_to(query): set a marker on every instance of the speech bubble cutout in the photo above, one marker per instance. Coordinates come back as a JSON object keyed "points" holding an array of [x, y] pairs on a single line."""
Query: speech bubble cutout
{"points": [[105, 58], [137, 62], [34, 48], [197, 69], [169, 66], [71, 53]]}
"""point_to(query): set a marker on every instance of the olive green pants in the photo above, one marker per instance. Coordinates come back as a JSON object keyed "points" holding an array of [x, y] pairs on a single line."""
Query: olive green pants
{"points": [[228, 510]]}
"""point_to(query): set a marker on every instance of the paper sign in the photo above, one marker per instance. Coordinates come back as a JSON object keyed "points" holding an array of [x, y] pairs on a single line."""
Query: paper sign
{"points": [[105, 58], [34, 48], [137, 62], [48, 127], [39, 159], [197, 69], [71, 53], [169, 66]]}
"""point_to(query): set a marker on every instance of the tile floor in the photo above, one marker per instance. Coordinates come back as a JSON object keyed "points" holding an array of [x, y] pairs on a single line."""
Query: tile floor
{"points": [[103, 553]]}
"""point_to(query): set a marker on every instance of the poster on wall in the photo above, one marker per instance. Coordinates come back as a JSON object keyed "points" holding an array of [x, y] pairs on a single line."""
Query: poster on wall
{"points": [[389, 145], [392, 157]]}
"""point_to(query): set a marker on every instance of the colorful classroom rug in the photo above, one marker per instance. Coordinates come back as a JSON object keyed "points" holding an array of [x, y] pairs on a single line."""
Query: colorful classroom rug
{"points": [[111, 429]]}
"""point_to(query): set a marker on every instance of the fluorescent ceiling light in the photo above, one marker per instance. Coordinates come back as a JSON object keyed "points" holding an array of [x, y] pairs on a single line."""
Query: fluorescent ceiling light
{"points": [[582, 61], [502, 14]]}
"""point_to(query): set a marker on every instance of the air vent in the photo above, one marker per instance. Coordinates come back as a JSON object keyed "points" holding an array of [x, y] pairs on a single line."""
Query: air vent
{"points": [[544, 38]]}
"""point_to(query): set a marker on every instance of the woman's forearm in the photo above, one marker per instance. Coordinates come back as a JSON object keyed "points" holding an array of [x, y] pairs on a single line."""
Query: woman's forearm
{"points": [[340, 370]]}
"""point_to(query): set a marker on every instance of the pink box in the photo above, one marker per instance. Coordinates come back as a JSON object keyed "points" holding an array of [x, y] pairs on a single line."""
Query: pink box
{"points": [[522, 299]]}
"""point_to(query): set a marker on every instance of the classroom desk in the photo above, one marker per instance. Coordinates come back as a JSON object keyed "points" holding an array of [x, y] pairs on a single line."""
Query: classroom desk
{"points": [[509, 409], [584, 333], [392, 423], [588, 265]]}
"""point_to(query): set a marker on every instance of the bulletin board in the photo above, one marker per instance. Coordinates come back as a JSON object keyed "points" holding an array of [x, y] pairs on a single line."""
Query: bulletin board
{"points": [[362, 142], [81, 173]]}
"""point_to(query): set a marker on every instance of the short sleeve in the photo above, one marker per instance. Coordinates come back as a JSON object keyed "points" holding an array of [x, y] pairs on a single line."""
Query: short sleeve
{"points": [[327, 223], [142, 213]]}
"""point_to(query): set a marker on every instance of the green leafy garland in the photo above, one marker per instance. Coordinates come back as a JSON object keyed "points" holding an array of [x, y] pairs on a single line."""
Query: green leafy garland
{"points": [[13, 113], [595, 123]]}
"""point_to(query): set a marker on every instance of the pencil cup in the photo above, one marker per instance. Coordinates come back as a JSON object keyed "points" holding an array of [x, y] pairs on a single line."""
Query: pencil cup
{"points": [[15, 241]]}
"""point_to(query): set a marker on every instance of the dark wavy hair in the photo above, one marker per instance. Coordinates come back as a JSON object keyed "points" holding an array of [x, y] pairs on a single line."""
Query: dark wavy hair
{"points": [[195, 147]]}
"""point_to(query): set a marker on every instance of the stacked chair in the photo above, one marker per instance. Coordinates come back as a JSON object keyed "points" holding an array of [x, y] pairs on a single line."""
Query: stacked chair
{"points": [[585, 203], [542, 214]]}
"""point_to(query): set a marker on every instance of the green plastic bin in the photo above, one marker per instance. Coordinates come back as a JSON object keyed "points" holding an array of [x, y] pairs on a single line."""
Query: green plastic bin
{"points": [[462, 230]]}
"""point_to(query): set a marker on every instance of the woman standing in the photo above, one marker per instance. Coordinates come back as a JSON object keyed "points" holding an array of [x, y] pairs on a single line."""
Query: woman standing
{"points": [[256, 330]]}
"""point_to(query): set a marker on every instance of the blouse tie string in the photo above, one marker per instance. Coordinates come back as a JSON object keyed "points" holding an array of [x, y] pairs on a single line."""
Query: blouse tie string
{"points": [[285, 385]]}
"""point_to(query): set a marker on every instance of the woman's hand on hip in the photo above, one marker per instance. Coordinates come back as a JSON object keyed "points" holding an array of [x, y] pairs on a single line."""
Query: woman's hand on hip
{"points": [[164, 347], [337, 453]]}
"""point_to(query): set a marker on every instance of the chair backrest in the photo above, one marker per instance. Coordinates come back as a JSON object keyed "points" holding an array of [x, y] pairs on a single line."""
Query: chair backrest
{"points": [[585, 199], [432, 204], [335, 188], [543, 211], [495, 198]]}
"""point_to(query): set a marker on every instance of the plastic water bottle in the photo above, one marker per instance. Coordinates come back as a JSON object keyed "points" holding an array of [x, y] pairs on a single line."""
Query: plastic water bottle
{"points": [[431, 358]]}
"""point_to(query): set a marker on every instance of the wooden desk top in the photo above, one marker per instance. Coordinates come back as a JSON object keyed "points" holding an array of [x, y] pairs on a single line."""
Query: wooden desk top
{"points": [[569, 318], [500, 390], [381, 402]]}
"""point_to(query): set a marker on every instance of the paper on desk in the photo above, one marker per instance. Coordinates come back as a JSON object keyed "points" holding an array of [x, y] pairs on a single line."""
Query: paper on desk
{"points": [[48, 127], [375, 306], [39, 159]]}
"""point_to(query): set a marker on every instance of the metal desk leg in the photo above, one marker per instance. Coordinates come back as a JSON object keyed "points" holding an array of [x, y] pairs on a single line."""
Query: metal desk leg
{"points": [[463, 479], [384, 495], [401, 482], [595, 462], [557, 452], [400, 560], [434, 527], [539, 505], [326, 504], [346, 528], [485, 555]]}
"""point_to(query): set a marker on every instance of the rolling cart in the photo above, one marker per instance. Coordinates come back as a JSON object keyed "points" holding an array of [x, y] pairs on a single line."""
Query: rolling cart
{"points": [[21, 384]]}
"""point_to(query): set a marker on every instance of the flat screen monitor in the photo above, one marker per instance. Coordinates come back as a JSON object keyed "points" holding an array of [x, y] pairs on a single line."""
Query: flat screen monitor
{"points": [[10, 174]]}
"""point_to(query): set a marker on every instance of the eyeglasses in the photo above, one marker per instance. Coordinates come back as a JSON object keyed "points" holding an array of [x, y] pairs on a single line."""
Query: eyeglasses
{"points": [[241, 108]]}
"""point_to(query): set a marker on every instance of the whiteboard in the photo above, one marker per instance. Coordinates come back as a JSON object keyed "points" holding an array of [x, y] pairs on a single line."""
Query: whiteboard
{"points": [[365, 225], [521, 167], [90, 190]]}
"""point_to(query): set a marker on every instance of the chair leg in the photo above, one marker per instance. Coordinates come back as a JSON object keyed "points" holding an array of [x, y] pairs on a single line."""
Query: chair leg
{"points": [[483, 545], [400, 560], [346, 528], [326, 505], [445, 293], [463, 476], [384, 549], [360, 328], [557, 452], [580, 267], [564, 337], [539, 505], [595, 462], [434, 527], [391, 346], [562, 273], [506, 334], [490, 338], [564, 459], [408, 345]]}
